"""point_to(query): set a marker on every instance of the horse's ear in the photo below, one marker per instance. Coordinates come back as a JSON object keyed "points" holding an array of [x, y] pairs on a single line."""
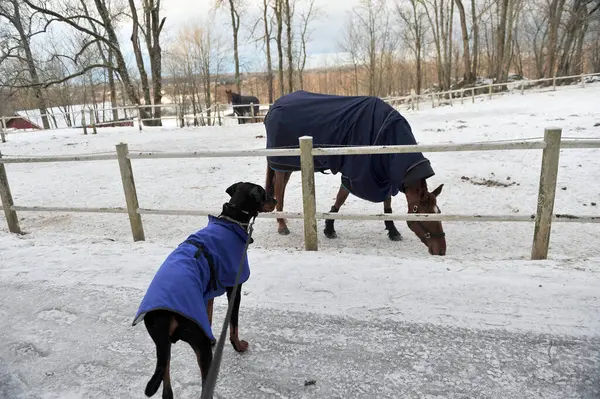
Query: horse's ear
{"points": [[231, 189], [438, 190]]}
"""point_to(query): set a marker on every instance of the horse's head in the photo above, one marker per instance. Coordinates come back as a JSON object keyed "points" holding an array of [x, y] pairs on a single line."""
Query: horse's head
{"points": [[431, 233], [229, 95]]}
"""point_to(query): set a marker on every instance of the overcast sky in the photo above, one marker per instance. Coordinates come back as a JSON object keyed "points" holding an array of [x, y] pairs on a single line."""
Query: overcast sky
{"points": [[326, 32]]}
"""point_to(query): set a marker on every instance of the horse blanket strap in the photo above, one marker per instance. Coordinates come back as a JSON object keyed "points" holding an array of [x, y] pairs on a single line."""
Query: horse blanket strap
{"points": [[212, 283]]}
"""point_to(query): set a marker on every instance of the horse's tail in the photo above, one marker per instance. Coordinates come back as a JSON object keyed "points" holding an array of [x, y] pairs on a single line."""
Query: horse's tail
{"points": [[269, 186]]}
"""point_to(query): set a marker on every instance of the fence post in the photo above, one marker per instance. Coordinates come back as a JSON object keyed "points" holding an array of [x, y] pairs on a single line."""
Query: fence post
{"points": [[582, 81], [546, 193], [308, 193], [7, 201], [83, 121], [135, 219], [139, 118], [93, 121], [473, 95], [554, 83], [252, 113], [522, 87], [490, 91], [3, 129]]}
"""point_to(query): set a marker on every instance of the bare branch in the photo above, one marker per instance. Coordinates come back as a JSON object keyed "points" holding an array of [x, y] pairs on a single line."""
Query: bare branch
{"points": [[64, 79], [69, 21]]}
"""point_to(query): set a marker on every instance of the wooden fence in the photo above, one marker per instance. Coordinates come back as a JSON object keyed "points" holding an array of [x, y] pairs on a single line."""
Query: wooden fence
{"points": [[551, 146], [215, 114]]}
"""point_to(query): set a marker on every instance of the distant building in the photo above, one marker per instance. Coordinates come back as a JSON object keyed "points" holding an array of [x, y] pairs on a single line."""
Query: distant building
{"points": [[20, 123]]}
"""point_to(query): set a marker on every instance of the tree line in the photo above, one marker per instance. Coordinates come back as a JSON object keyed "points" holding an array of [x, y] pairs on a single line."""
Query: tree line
{"points": [[61, 53]]}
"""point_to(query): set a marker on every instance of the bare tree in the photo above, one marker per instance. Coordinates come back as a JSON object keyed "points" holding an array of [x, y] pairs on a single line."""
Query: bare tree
{"points": [[350, 46], [370, 28], [234, 6], [555, 10], [290, 57], [278, 7], [18, 48], [267, 40], [414, 35], [105, 21], [306, 17], [151, 29], [440, 16]]}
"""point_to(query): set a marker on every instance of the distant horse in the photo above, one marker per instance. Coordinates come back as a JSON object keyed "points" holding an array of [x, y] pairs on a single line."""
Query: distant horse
{"points": [[236, 99], [335, 121]]}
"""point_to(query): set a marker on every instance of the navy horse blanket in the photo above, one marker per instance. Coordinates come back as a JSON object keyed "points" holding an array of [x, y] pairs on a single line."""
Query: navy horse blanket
{"points": [[337, 121], [182, 284]]}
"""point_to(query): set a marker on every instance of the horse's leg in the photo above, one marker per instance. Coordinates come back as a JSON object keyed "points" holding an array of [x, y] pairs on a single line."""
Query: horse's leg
{"points": [[393, 233], [281, 181], [341, 197]]}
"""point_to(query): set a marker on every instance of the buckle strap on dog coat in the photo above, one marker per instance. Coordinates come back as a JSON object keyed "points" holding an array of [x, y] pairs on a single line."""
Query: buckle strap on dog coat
{"points": [[212, 282]]}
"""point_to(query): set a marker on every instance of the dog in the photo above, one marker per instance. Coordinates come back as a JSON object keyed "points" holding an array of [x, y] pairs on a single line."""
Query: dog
{"points": [[178, 302]]}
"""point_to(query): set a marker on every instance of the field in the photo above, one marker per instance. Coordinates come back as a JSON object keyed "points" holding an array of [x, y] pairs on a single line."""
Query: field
{"points": [[363, 316]]}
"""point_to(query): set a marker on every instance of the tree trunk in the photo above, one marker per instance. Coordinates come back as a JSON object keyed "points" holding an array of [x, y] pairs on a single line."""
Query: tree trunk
{"points": [[288, 22], [154, 25], [554, 15], [468, 75], [279, 18], [475, 34], [268, 49], [113, 88], [235, 24], [574, 27], [31, 67], [501, 40], [145, 112]]}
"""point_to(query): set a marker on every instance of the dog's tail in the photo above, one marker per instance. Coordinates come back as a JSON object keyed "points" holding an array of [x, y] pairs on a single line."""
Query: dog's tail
{"points": [[269, 187], [160, 336]]}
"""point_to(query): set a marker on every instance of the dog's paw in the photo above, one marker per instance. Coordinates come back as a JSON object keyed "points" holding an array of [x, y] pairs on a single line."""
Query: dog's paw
{"points": [[239, 345]]}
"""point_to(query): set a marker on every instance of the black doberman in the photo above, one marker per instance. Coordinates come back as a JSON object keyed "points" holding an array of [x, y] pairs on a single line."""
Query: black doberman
{"points": [[178, 303]]}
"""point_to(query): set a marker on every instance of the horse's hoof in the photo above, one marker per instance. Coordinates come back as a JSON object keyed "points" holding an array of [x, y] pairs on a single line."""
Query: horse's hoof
{"points": [[283, 231], [330, 233], [395, 236]]}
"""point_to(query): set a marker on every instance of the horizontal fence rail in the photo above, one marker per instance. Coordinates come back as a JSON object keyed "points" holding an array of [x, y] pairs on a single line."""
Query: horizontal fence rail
{"points": [[89, 116], [561, 218], [551, 146]]}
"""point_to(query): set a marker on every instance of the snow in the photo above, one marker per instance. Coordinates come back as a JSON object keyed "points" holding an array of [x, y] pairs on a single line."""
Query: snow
{"points": [[363, 316]]}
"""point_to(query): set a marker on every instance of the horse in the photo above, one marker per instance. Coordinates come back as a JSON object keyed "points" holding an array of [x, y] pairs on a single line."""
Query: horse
{"points": [[335, 121], [236, 99]]}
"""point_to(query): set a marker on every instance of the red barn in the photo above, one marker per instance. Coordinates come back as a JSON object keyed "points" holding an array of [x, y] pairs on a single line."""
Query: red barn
{"points": [[20, 122]]}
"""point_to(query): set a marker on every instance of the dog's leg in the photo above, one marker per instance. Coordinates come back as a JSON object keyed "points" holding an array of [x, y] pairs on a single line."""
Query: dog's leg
{"points": [[281, 180], [167, 389], [341, 197], [204, 357], [238, 344], [209, 310], [158, 325], [393, 232], [201, 346]]}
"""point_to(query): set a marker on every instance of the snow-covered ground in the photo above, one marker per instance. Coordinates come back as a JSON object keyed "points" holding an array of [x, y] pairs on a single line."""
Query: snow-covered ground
{"points": [[364, 316]]}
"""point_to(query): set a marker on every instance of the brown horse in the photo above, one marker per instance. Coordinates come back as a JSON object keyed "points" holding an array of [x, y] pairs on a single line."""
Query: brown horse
{"points": [[418, 198], [346, 121]]}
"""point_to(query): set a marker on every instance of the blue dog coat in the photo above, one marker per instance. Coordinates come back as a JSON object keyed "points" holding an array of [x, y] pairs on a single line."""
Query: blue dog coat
{"points": [[181, 284]]}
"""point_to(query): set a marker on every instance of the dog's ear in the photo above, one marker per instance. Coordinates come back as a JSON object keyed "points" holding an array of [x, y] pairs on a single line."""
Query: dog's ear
{"points": [[231, 189], [258, 194]]}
